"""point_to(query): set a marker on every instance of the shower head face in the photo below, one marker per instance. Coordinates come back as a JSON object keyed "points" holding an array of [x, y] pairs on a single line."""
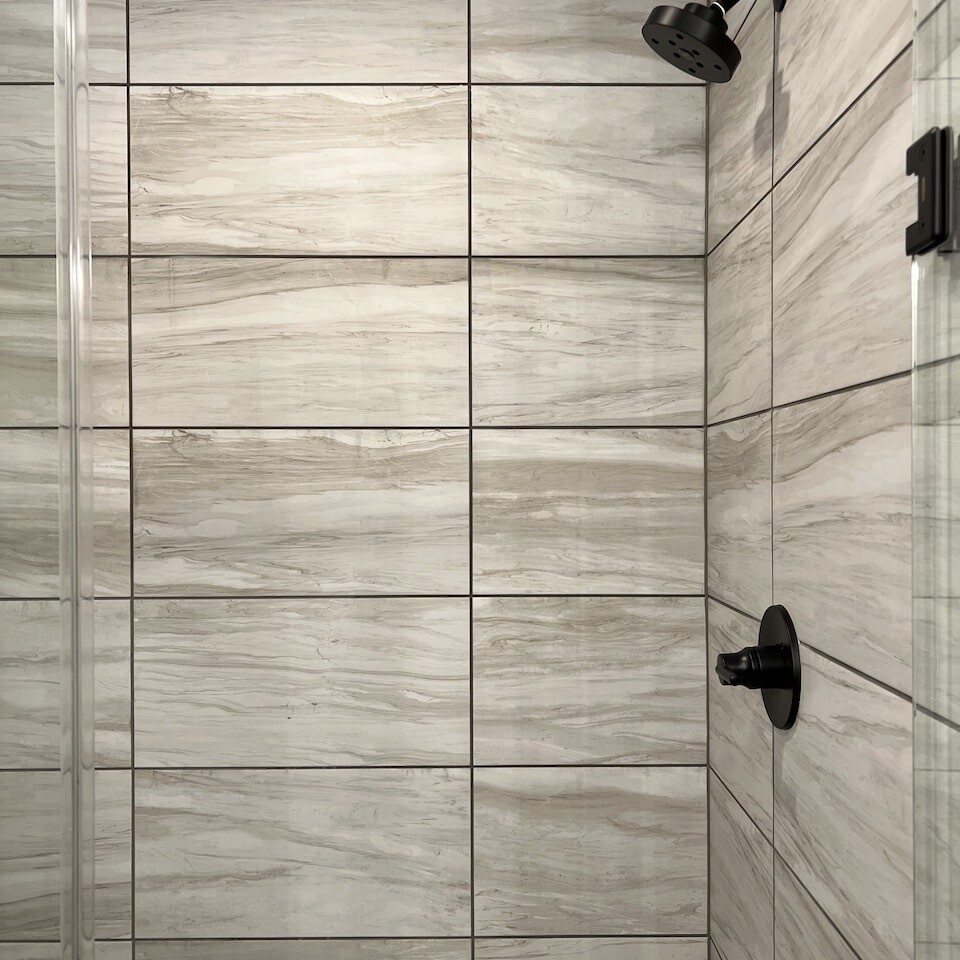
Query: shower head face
{"points": [[694, 39]]}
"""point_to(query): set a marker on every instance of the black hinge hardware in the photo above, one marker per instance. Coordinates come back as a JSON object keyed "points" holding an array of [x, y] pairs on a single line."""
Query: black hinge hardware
{"points": [[929, 161]]}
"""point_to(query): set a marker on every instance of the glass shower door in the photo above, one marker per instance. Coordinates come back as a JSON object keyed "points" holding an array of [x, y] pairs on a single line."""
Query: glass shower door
{"points": [[937, 511], [46, 508]]}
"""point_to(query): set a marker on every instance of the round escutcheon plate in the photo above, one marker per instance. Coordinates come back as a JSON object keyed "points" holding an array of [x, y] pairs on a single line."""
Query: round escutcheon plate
{"points": [[783, 701]]}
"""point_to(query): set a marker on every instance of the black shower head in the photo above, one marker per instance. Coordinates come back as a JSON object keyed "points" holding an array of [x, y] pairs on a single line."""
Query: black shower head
{"points": [[694, 39]]}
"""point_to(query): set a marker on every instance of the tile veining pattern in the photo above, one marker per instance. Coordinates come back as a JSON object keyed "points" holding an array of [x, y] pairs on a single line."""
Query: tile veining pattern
{"points": [[808, 482], [401, 490]]}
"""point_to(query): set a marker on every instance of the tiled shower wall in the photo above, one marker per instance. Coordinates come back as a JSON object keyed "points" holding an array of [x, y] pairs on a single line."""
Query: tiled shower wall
{"points": [[808, 481], [399, 315]]}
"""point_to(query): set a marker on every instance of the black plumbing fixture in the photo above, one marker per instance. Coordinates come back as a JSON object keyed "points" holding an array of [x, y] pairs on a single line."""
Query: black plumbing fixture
{"points": [[694, 38], [773, 667]]}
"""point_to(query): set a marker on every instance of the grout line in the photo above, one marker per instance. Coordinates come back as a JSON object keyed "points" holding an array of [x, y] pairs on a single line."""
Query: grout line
{"points": [[375, 257], [777, 856], [470, 479], [398, 427], [130, 492], [775, 181], [323, 597], [775, 65], [824, 395], [638, 938], [743, 809], [413, 84], [938, 717], [706, 483], [369, 767]]}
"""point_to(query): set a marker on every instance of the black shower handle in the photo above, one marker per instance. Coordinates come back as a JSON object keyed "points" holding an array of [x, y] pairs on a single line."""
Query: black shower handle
{"points": [[772, 666], [756, 668]]}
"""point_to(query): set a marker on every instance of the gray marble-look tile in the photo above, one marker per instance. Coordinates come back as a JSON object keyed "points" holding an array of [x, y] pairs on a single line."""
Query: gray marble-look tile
{"points": [[714, 952], [826, 59], [28, 195], [30, 653], [739, 320], [741, 735], [303, 950], [843, 805], [741, 880], [579, 342], [26, 41], [111, 500], [30, 842], [803, 931], [565, 41], [590, 852], [557, 170], [587, 948], [28, 342], [30, 519], [226, 512], [842, 553], [298, 41], [841, 282], [301, 853], [741, 129], [351, 169], [567, 680], [588, 511], [218, 342], [267, 683], [739, 545]]}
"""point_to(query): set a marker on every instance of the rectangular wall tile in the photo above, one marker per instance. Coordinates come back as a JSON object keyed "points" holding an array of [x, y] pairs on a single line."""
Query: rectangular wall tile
{"points": [[586, 948], [826, 59], [572, 341], [588, 680], [226, 512], [303, 950], [739, 320], [218, 342], [564, 41], [741, 880], [739, 545], [298, 41], [843, 805], [30, 840], [842, 526], [30, 519], [301, 853], [26, 41], [303, 682], [587, 852], [557, 171], [588, 511], [30, 669], [803, 930], [111, 530], [741, 128], [28, 342], [302, 170], [838, 250], [28, 202], [741, 735]]}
